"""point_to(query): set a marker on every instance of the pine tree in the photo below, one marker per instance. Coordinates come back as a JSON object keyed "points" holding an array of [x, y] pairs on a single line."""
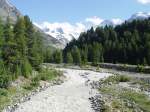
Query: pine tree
{"points": [[96, 54], [84, 56], [144, 62], [47, 55], [90, 51], [76, 55], [69, 58], [9, 54], [1, 38], [29, 37], [40, 46], [20, 36], [57, 56]]}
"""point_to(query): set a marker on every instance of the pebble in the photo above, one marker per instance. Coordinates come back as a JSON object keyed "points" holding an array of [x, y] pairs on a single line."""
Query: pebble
{"points": [[13, 107]]}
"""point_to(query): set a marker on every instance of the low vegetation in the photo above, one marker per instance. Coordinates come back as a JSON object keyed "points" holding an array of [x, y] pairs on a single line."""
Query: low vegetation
{"points": [[13, 93], [120, 98], [116, 79]]}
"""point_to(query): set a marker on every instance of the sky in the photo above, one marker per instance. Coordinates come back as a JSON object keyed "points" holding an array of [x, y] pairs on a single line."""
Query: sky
{"points": [[78, 10], [65, 17]]}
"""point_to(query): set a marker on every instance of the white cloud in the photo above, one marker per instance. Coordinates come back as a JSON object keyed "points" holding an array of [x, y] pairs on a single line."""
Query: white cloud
{"points": [[144, 1], [94, 20], [65, 27], [117, 21], [67, 30]]}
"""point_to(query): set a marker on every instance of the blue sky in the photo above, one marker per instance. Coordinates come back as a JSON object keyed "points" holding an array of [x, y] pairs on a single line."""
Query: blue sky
{"points": [[78, 10]]}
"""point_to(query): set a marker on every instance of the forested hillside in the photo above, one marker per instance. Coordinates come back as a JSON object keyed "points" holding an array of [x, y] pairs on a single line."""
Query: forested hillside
{"points": [[21, 50], [126, 43]]}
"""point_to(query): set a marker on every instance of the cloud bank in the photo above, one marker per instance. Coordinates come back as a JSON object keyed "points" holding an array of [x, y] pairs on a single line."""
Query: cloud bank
{"points": [[69, 30], [144, 1]]}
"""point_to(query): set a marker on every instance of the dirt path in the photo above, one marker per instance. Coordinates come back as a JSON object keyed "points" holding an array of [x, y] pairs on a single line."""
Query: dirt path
{"points": [[71, 96]]}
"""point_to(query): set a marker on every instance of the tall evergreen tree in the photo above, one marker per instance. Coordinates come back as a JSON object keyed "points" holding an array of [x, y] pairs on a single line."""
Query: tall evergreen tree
{"points": [[69, 58], [9, 53], [76, 55], [1, 38], [58, 56], [22, 49]]}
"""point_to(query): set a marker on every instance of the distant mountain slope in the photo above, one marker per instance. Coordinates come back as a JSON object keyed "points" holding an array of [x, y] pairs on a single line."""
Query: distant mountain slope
{"points": [[66, 31], [9, 10], [139, 16]]}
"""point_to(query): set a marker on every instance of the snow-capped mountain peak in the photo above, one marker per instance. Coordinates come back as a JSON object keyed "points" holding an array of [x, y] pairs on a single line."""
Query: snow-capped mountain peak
{"points": [[65, 31], [139, 16]]}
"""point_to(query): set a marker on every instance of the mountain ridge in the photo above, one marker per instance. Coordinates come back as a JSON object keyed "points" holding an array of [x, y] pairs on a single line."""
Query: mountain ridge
{"points": [[9, 10], [66, 36]]}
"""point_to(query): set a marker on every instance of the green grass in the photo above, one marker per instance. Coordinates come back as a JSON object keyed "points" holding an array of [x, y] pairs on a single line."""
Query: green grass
{"points": [[143, 84], [115, 79], [140, 99], [108, 90], [48, 74], [5, 96], [120, 94], [8, 95]]}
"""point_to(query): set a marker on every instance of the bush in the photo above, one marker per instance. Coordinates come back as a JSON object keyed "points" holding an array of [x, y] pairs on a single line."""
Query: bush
{"points": [[123, 78], [26, 68], [117, 79], [4, 78], [48, 74], [35, 81], [3, 92], [140, 68]]}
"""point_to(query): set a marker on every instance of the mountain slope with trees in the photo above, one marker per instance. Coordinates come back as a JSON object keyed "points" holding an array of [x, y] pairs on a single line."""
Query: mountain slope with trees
{"points": [[127, 43], [21, 50], [9, 10]]}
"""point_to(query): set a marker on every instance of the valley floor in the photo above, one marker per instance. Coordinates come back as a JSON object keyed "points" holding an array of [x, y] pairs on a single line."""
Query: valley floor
{"points": [[71, 96]]}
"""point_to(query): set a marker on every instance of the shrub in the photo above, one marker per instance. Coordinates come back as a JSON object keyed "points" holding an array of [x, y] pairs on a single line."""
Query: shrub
{"points": [[117, 79], [48, 74], [123, 78], [4, 78], [28, 87], [3, 92], [26, 68], [35, 81], [140, 68]]}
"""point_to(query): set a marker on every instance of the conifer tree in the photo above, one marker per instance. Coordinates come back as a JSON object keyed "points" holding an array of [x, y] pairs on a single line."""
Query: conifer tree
{"points": [[76, 55], [69, 58], [57, 56], [22, 49], [1, 38], [9, 53]]}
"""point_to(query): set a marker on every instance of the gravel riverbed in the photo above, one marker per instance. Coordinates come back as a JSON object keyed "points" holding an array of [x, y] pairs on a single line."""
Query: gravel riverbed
{"points": [[76, 94]]}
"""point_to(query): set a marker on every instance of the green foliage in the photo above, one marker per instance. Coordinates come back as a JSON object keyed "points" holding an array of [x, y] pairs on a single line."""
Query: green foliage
{"points": [[123, 78], [126, 43], [57, 56], [140, 68], [48, 55], [26, 68], [4, 78], [140, 99], [21, 50], [76, 55], [48, 74], [3, 92], [125, 99], [117, 78], [1, 37], [69, 58]]}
